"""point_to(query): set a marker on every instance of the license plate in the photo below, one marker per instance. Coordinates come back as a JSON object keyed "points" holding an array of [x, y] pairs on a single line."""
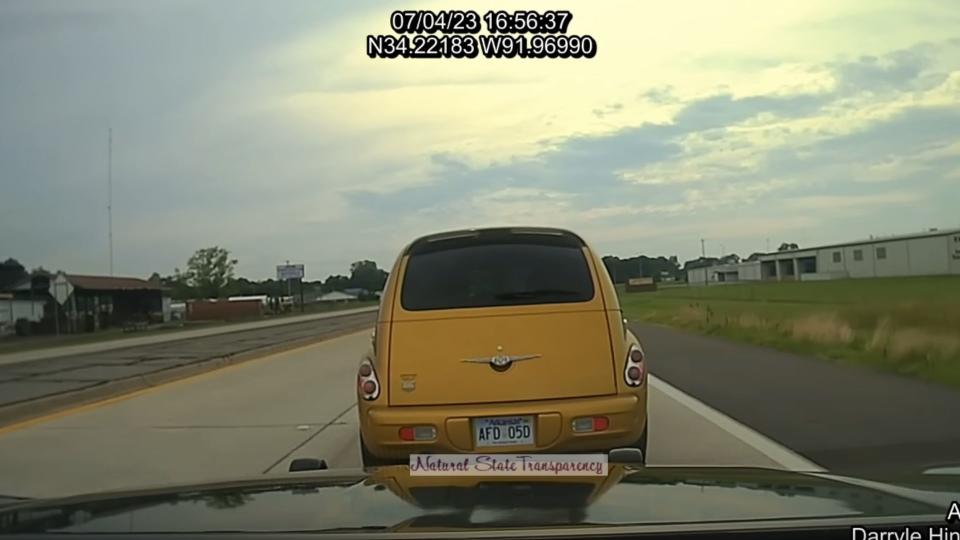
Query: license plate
{"points": [[503, 431]]}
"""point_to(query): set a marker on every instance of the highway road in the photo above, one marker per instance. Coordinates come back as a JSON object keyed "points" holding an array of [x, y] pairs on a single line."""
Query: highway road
{"points": [[154, 338], [254, 418], [70, 375]]}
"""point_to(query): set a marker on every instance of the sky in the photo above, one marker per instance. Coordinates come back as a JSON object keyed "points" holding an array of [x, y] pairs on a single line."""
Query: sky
{"points": [[263, 128]]}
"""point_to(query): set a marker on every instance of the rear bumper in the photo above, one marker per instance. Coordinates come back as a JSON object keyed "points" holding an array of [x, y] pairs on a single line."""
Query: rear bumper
{"points": [[553, 431]]}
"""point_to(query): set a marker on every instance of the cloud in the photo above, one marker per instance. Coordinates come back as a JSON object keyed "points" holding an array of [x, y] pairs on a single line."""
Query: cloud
{"points": [[270, 131], [903, 69], [613, 108], [599, 166], [720, 153], [861, 202], [725, 110], [661, 96]]}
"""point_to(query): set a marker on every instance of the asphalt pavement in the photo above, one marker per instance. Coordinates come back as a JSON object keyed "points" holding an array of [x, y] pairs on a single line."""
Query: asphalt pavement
{"points": [[150, 338], [34, 387], [847, 418], [712, 402], [254, 418]]}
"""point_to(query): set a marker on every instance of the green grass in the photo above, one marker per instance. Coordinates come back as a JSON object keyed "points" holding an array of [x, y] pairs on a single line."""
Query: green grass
{"points": [[905, 325], [26, 343]]}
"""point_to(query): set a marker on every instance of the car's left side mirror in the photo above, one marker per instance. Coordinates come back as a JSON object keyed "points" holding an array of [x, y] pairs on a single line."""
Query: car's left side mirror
{"points": [[307, 464]]}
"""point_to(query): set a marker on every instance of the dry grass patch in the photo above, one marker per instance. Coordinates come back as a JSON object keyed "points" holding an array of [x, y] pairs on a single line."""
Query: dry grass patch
{"points": [[825, 328]]}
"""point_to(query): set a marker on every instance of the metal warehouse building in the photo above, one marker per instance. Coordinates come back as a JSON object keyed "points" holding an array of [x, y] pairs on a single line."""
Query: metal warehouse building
{"points": [[935, 252]]}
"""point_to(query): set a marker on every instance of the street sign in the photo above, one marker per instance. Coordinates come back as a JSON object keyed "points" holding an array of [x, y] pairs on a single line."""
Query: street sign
{"points": [[289, 271], [60, 288]]}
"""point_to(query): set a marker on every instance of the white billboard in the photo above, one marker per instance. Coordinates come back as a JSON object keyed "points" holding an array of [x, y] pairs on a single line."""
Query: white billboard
{"points": [[289, 271]]}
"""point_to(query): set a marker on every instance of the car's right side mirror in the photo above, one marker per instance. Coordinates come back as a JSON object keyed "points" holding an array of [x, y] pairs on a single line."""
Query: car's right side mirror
{"points": [[628, 456]]}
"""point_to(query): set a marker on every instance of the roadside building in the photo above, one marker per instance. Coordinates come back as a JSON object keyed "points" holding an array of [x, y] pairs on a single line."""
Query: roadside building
{"points": [[13, 309], [106, 301], [262, 298], [641, 284], [356, 291], [178, 311], [724, 273], [93, 303], [934, 252], [32, 291], [336, 297]]}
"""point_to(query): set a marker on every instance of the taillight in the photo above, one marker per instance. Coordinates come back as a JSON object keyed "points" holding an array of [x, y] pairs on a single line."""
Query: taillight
{"points": [[417, 433], [634, 370], [590, 423], [367, 382]]}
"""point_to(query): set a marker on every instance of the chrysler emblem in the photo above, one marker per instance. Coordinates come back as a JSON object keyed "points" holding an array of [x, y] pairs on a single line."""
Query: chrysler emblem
{"points": [[500, 361]]}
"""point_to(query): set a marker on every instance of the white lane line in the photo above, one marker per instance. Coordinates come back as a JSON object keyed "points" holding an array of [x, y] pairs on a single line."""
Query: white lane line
{"points": [[786, 458]]}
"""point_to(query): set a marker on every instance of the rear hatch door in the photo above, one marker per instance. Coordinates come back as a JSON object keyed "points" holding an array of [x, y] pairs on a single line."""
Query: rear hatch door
{"points": [[499, 316]]}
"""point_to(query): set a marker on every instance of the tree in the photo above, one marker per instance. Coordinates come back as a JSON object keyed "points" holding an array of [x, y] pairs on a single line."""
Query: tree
{"points": [[787, 247], [755, 256], [365, 275], [177, 286], [209, 271], [11, 272], [657, 268], [225, 500], [336, 283]]}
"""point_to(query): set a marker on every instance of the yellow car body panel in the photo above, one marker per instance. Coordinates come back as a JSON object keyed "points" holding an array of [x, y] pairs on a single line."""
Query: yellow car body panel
{"points": [[432, 369]]}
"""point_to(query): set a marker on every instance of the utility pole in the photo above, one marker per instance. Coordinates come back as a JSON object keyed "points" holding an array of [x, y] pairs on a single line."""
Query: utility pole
{"points": [[110, 194], [289, 292], [703, 255], [768, 245]]}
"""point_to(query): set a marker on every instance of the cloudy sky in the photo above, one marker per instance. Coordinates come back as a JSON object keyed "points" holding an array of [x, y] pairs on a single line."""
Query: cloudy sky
{"points": [[264, 128]]}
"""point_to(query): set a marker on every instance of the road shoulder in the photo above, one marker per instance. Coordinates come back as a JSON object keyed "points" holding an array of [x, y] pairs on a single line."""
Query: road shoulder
{"points": [[846, 418]]}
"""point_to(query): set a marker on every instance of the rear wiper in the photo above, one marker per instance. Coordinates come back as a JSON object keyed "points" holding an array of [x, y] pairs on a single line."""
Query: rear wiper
{"points": [[533, 293]]}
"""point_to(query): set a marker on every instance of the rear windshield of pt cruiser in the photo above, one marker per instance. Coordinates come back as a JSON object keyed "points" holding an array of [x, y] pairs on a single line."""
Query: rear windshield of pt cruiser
{"points": [[495, 271]]}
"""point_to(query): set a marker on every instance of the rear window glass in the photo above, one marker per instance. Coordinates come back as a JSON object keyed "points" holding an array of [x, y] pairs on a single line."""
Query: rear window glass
{"points": [[484, 274]]}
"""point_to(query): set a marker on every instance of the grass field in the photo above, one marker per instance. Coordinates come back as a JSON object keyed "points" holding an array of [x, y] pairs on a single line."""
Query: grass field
{"points": [[906, 325]]}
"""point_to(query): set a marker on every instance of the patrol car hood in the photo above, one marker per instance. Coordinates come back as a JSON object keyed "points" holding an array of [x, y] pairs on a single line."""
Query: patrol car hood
{"points": [[391, 500]]}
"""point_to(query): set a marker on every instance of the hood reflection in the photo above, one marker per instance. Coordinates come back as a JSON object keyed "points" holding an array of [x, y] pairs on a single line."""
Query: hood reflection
{"points": [[391, 499]]}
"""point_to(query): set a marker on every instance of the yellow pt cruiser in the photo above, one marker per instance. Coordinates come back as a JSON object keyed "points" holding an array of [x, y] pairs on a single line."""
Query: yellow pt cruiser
{"points": [[505, 340]]}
